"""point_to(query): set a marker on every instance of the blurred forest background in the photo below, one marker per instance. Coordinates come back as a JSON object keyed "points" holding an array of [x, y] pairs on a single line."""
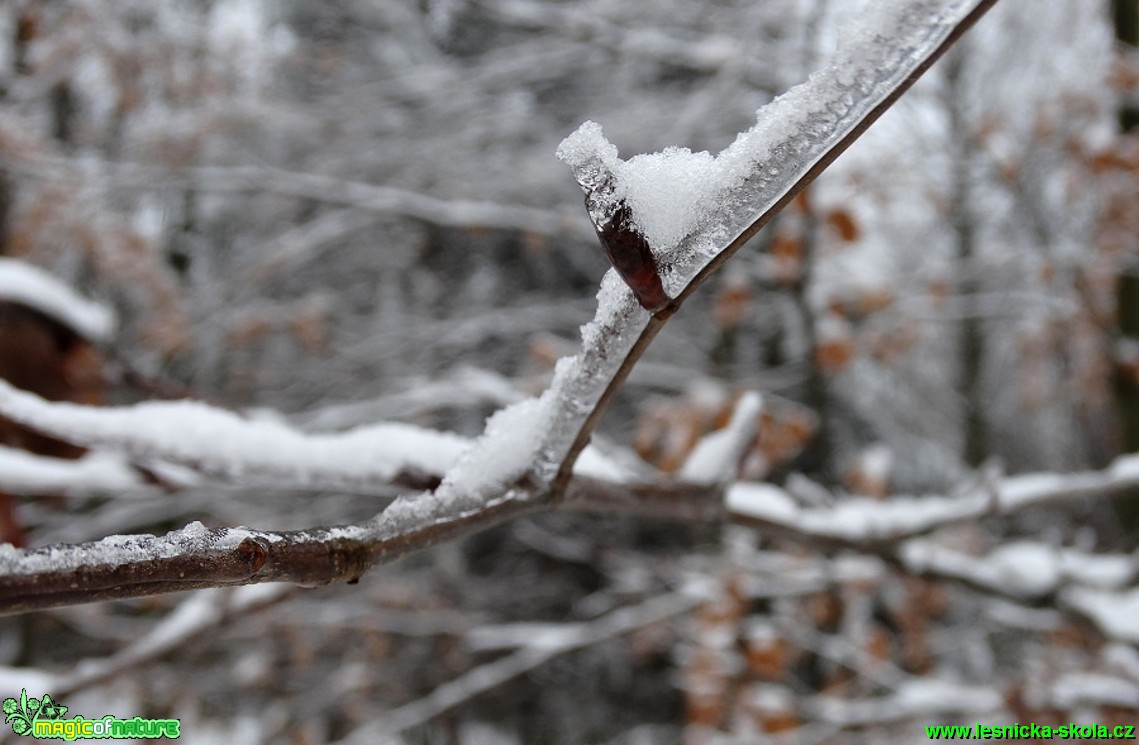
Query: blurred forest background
{"points": [[349, 211]]}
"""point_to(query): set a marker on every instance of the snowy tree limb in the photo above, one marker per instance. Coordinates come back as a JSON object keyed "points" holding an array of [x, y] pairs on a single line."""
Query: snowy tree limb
{"points": [[796, 137], [197, 557], [525, 460]]}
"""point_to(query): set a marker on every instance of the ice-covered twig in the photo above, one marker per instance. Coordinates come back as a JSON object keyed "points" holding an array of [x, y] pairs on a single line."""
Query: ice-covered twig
{"points": [[695, 211], [692, 211], [197, 557]]}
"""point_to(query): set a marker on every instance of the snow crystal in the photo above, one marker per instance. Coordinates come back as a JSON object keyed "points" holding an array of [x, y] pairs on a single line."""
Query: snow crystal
{"points": [[28, 285], [669, 191], [587, 151]]}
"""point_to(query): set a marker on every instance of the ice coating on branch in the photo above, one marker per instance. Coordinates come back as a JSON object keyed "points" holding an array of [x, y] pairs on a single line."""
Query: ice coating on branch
{"points": [[115, 550], [28, 285], [674, 192], [709, 201]]}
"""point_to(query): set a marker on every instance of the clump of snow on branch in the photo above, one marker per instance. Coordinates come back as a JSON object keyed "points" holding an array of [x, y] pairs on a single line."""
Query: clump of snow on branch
{"points": [[221, 443], [1116, 613], [28, 285], [856, 518], [503, 453], [716, 458], [22, 472], [1022, 568]]}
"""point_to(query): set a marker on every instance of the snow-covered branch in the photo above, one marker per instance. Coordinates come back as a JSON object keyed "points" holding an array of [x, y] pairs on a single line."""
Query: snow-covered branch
{"points": [[221, 444], [691, 211], [866, 521], [695, 210]]}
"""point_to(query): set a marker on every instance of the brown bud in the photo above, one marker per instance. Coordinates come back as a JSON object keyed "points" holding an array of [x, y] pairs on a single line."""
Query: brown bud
{"points": [[631, 256]]}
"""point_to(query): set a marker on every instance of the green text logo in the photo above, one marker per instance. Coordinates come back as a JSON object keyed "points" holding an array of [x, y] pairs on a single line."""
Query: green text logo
{"points": [[43, 718]]}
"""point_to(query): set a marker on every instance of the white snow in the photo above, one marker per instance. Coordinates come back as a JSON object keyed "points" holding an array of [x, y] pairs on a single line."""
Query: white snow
{"points": [[28, 285], [854, 518], [1090, 688], [22, 472], [914, 698], [1021, 568], [715, 459], [222, 443], [503, 453], [1116, 613], [596, 464], [762, 501], [1126, 467], [673, 192]]}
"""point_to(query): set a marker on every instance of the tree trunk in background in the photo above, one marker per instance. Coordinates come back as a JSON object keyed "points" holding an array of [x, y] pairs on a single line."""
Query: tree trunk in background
{"points": [[1127, 31], [971, 345], [1126, 14]]}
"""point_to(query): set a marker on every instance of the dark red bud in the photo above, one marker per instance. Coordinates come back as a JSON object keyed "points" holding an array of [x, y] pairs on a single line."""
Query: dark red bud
{"points": [[631, 256]]}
